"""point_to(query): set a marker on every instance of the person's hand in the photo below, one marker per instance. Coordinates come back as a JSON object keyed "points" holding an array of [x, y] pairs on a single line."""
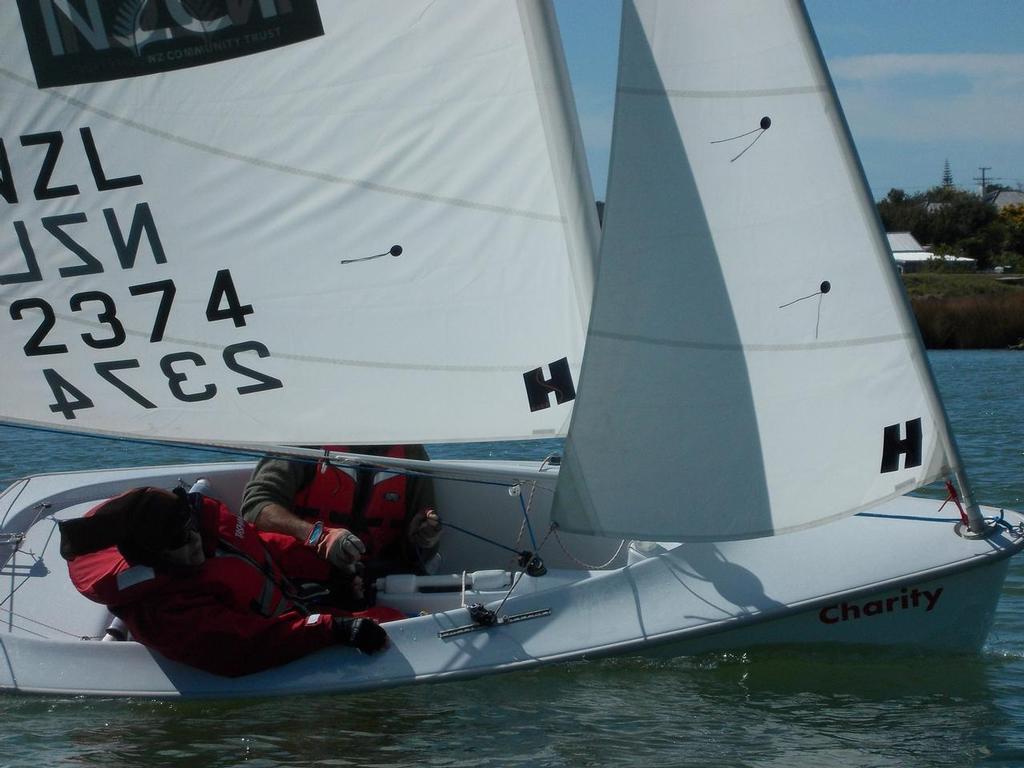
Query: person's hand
{"points": [[364, 634], [425, 529], [357, 588], [345, 592], [341, 548]]}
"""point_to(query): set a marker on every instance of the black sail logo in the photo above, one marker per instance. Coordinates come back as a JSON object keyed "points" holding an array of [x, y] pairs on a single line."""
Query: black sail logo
{"points": [[88, 41]]}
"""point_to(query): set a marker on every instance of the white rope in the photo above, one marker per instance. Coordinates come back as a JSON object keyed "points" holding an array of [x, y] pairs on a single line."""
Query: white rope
{"points": [[589, 567]]}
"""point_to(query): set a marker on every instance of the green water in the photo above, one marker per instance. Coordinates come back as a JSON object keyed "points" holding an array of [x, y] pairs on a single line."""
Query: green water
{"points": [[774, 707]]}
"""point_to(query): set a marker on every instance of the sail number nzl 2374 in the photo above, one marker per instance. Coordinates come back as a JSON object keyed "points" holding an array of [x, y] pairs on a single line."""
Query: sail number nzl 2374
{"points": [[64, 237]]}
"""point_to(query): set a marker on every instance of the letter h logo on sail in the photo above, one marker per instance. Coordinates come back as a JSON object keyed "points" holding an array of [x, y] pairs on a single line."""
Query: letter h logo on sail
{"points": [[893, 446], [538, 388]]}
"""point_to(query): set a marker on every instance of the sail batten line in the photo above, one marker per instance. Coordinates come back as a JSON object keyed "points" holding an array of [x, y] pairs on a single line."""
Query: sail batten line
{"points": [[720, 347], [797, 90], [291, 170]]}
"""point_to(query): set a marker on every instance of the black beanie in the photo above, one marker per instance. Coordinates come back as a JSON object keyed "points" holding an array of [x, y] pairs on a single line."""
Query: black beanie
{"points": [[141, 523]]}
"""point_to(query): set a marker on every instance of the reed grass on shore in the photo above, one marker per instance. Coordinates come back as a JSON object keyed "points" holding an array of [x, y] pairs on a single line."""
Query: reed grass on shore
{"points": [[993, 321]]}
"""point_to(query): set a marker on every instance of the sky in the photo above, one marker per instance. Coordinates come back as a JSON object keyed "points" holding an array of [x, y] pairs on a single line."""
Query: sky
{"points": [[920, 81]]}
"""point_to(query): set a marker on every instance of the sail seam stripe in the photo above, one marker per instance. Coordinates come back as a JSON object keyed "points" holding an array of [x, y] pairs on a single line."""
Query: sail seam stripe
{"points": [[793, 91], [291, 170], [869, 341]]}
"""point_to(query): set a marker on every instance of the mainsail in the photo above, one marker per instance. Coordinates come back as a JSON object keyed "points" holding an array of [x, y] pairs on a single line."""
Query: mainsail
{"points": [[290, 222], [751, 365]]}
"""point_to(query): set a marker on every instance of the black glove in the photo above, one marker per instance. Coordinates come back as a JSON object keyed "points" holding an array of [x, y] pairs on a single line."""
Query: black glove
{"points": [[364, 634], [347, 593]]}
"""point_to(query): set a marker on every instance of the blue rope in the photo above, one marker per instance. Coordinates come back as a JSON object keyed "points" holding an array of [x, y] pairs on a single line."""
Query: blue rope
{"points": [[482, 538]]}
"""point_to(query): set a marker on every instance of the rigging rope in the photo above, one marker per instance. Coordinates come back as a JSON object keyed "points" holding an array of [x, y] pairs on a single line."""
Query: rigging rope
{"points": [[44, 624], [515, 582], [518, 491], [17, 548], [588, 566], [561, 544], [453, 526]]}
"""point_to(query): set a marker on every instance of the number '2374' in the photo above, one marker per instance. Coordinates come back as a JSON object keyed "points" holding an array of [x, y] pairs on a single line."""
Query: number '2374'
{"points": [[223, 305]]}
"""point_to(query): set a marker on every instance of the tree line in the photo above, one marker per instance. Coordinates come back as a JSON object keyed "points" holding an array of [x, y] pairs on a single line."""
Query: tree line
{"points": [[950, 221]]}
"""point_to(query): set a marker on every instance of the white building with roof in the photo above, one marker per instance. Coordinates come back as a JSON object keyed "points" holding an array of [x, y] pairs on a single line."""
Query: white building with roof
{"points": [[1004, 197], [911, 256]]}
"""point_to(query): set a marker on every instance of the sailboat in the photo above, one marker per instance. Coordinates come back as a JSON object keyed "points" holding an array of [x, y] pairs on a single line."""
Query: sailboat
{"points": [[274, 224]]}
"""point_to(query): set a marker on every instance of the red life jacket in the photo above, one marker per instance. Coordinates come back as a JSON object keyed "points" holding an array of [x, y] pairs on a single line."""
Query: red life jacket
{"points": [[238, 567], [229, 616], [371, 503]]}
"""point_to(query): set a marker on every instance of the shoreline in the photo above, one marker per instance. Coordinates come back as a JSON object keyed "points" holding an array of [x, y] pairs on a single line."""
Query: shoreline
{"points": [[968, 311]]}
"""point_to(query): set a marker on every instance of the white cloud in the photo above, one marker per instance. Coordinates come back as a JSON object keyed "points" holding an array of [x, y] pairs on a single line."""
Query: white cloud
{"points": [[979, 66], [933, 97]]}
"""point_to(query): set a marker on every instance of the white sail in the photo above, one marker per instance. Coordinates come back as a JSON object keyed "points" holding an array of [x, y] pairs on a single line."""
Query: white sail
{"points": [[751, 365], [193, 200]]}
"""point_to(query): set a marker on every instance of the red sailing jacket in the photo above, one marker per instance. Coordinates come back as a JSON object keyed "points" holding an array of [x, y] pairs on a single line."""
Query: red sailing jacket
{"points": [[229, 616], [375, 512]]}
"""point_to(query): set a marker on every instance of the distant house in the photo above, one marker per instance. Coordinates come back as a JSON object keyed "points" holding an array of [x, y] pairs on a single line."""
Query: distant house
{"points": [[1004, 197], [911, 256]]}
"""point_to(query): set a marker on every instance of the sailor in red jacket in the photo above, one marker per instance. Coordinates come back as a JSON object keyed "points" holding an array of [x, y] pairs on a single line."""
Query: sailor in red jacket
{"points": [[198, 584], [357, 518]]}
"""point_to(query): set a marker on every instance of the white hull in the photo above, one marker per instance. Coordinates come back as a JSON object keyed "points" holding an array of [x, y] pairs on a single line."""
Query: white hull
{"points": [[897, 575]]}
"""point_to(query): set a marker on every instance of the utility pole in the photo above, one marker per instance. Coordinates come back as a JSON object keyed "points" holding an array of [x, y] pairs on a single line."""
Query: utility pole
{"points": [[982, 179]]}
